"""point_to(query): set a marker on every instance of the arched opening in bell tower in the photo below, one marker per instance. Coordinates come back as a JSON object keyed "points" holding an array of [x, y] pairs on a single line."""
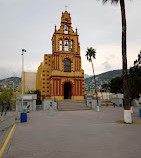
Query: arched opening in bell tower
{"points": [[67, 65], [67, 90]]}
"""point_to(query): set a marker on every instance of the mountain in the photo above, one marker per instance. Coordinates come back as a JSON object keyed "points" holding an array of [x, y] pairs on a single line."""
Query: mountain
{"points": [[107, 76], [86, 76], [102, 78], [11, 82]]}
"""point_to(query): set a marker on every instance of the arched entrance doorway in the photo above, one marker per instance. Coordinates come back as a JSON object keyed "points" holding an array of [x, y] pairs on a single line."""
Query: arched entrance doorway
{"points": [[67, 90]]}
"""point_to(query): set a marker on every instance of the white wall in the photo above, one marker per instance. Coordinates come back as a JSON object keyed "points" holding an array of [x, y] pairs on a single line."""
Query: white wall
{"points": [[30, 81], [49, 104]]}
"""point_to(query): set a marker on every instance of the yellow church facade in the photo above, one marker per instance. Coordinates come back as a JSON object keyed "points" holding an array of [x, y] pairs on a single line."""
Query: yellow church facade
{"points": [[60, 75]]}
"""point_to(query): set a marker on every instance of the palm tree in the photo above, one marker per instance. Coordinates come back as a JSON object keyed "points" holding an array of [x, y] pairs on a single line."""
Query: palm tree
{"points": [[90, 53], [126, 102]]}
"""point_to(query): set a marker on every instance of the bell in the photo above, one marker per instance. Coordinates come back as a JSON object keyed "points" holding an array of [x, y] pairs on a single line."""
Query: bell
{"points": [[66, 44], [66, 29]]}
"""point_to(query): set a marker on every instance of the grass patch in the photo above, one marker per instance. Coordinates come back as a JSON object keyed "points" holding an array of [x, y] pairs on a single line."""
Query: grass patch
{"points": [[122, 122]]}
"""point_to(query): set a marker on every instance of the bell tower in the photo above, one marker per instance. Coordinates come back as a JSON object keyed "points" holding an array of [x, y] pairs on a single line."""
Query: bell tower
{"points": [[65, 43], [66, 61]]}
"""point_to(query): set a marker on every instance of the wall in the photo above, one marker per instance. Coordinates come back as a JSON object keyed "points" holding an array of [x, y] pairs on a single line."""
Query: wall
{"points": [[30, 99], [49, 104], [93, 103], [29, 81]]}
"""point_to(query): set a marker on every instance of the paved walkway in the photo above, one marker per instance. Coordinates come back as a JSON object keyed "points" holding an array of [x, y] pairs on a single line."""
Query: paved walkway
{"points": [[77, 134], [5, 131]]}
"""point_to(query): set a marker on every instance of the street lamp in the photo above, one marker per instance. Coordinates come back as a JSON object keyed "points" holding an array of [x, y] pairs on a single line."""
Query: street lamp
{"points": [[23, 50]]}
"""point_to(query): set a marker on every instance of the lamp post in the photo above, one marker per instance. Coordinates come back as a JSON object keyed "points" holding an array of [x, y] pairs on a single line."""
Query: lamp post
{"points": [[23, 50]]}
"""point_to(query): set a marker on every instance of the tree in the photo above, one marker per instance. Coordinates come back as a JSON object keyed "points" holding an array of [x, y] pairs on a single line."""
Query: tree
{"points": [[38, 101], [106, 86], [135, 78], [91, 53], [137, 63], [7, 100], [126, 102], [116, 85], [134, 81]]}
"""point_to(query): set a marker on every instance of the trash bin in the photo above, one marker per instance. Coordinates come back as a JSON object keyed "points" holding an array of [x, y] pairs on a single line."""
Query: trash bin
{"points": [[140, 112], [120, 105], [23, 117]]}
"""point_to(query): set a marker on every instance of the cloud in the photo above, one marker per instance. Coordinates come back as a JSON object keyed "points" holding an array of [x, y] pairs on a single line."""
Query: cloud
{"points": [[9, 1], [7, 72], [106, 65], [29, 24]]}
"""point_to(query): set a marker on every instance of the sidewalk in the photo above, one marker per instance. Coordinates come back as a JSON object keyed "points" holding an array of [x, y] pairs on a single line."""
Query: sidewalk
{"points": [[77, 134]]}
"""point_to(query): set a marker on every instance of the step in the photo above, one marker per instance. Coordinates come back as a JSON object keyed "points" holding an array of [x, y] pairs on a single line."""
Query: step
{"points": [[69, 104]]}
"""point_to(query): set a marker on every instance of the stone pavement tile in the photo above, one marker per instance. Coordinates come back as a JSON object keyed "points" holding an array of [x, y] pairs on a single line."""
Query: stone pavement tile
{"points": [[76, 134]]}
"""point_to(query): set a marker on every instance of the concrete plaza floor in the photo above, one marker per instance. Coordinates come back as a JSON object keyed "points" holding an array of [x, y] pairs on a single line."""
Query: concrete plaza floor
{"points": [[77, 134]]}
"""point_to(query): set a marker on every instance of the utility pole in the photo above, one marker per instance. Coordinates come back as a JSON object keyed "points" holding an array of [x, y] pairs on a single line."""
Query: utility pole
{"points": [[23, 50]]}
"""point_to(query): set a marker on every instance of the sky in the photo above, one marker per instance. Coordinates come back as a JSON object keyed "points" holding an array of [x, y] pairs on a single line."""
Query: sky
{"points": [[29, 24]]}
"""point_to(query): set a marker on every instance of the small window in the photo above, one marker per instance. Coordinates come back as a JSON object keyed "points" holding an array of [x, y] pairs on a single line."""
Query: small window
{"points": [[25, 103], [60, 45], [65, 29], [67, 65], [66, 44]]}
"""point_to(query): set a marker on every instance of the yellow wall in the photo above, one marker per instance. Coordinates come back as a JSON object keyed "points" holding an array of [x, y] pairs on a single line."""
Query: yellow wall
{"points": [[51, 76]]}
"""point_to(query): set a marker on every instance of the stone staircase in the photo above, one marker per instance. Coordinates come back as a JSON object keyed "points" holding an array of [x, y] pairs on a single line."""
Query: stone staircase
{"points": [[69, 104]]}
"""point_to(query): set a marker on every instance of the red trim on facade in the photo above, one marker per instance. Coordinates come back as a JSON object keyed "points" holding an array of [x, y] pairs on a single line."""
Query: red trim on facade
{"points": [[74, 88], [55, 62], [79, 63], [56, 87], [47, 95], [58, 62], [75, 63], [80, 87], [53, 87], [66, 77], [77, 87], [54, 44], [60, 87], [77, 45]]}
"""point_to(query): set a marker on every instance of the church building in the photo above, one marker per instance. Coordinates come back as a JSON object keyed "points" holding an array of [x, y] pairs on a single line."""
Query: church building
{"points": [[60, 75]]}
